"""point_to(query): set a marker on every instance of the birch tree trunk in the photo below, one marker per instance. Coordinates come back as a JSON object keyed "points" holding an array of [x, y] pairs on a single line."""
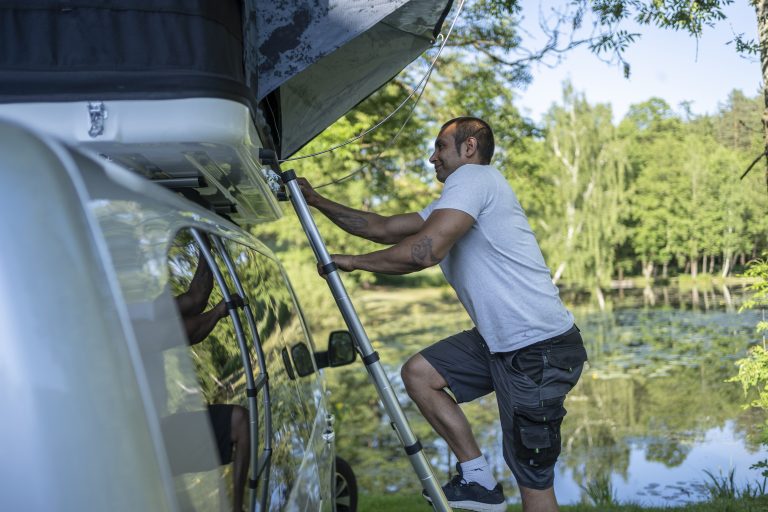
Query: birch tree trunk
{"points": [[761, 10], [726, 265], [647, 270]]}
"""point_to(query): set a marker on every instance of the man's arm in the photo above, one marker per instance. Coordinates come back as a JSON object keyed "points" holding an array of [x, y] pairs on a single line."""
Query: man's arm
{"points": [[426, 248], [371, 226], [198, 327], [194, 300]]}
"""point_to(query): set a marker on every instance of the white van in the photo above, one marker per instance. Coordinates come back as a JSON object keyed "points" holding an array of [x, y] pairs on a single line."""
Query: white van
{"points": [[117, 347]]}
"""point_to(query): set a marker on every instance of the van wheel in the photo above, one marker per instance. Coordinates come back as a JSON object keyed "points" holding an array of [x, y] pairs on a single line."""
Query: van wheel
{"points": [[346, 487]]}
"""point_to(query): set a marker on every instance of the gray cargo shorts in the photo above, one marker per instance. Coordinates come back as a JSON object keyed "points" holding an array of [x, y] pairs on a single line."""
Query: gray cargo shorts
{"points": [[530, 385]]}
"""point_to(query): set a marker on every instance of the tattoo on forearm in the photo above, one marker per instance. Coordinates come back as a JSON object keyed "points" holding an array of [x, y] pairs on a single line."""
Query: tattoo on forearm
{"points": [[351, 223], [421, 252]]}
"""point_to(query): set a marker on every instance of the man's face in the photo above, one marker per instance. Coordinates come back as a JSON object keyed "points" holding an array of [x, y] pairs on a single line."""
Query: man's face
{"points": [[446, 158]]}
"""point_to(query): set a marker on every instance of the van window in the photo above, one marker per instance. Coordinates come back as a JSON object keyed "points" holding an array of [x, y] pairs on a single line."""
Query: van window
{"points": [[277, 321], [206, 430], [204, 396]]}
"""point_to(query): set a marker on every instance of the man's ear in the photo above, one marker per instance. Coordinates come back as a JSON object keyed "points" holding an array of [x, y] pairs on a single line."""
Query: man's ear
{"points": [[470, 147]]}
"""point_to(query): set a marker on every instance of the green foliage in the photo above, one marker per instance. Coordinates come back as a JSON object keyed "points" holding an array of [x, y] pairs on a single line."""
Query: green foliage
{"points": [[758, 270], [600, 491], [753, 376], [753, 369], [691, 17], [721, 487], [605, 199], [581, 221]]}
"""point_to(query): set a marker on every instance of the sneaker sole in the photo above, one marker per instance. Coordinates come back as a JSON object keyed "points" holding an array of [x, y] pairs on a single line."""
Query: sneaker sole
{"points": [[474, 505]]}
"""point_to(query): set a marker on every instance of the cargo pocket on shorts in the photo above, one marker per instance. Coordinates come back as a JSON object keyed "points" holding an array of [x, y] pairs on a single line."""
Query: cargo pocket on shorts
{"points": [[536, 434], [564, 363], [567, 357]]}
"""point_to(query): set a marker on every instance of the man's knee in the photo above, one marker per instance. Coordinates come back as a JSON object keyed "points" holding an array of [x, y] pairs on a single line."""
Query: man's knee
{"points": [[543, 500], [418, 373]]}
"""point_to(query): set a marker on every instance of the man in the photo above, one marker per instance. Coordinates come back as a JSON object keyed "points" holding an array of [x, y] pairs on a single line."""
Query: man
{"points": [[524, 346]]}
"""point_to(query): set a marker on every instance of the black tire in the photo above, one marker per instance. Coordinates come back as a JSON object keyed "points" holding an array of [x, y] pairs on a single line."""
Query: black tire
{"points": [[345, 487]]}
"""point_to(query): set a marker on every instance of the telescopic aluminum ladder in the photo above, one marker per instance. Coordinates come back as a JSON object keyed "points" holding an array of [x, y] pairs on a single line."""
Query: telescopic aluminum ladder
{"points": [[370, 357]]}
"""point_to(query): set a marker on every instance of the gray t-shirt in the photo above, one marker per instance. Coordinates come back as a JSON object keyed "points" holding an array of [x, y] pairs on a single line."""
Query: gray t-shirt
{"points": [[496, 268]]}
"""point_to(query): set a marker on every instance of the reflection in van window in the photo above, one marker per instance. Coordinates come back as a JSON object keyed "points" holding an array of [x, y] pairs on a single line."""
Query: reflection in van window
{"points": [[278, 327], [303, 360], [288, 364], [207, 432]]}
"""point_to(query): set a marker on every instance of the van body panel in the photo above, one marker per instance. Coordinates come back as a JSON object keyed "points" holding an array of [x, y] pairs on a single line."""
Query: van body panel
{"points": [[76, 421]]}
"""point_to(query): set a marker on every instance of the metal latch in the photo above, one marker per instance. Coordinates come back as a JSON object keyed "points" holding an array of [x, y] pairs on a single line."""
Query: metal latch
{"points": [[99, 114], [275, 183]]}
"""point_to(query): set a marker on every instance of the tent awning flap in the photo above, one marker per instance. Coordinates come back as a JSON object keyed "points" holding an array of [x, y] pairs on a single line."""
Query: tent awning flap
{"points": [[294, 35], [325, 56]]}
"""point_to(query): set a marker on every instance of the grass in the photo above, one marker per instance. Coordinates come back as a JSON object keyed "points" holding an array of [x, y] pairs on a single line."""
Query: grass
{"points": [[724, 495], [723, 487], [600, 491], [407, 503]]}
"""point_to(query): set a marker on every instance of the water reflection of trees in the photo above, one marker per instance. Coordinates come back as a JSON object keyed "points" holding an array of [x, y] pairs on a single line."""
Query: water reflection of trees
{"points": [[654, 382]]}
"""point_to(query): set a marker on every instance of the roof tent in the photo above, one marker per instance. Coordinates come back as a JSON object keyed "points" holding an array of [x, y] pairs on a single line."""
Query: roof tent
{"points": [[185, 92], [305, 62]]}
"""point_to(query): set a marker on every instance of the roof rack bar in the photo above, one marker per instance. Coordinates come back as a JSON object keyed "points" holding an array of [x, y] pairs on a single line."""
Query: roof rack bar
{"points": [[186, 182]]}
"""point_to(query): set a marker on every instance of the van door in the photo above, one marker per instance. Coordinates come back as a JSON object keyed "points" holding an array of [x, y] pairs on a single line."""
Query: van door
{"points": [[312, 389], [207, 428], [294, 481]]}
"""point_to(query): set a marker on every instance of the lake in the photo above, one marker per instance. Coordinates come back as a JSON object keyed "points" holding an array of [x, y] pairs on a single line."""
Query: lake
{"points": [[650, 413]]}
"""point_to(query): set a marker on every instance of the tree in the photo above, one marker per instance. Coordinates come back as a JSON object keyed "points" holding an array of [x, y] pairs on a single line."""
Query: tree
{"points": [[692, 17], [650, 131], [737, 124], [582, 224], [497, 36]]}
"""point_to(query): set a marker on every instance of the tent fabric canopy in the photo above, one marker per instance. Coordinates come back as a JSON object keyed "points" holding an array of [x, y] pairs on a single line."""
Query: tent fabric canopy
{"points": [[298, 64], [322, 57]]}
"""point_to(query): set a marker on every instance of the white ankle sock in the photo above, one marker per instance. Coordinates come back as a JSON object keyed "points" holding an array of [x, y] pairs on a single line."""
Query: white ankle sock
{"points": [[478, 470]]}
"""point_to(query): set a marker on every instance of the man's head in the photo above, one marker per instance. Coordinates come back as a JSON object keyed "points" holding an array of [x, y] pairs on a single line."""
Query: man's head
{"points": [[464, 140]]}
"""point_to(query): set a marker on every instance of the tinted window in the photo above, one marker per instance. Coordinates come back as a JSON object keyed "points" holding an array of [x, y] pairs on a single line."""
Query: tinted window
{"points": [[272, 305], [206, 430]]}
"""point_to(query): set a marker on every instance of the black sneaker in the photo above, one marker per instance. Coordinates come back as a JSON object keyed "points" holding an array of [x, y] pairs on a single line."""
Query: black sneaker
{"points": [[472, 496]]}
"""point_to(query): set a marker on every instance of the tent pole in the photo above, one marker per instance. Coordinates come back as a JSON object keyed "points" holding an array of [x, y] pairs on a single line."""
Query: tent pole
{"points": [[370, 357]]}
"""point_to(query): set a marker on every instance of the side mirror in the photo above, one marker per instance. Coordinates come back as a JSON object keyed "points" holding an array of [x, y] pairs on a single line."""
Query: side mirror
{"points": [[341, 349]]}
